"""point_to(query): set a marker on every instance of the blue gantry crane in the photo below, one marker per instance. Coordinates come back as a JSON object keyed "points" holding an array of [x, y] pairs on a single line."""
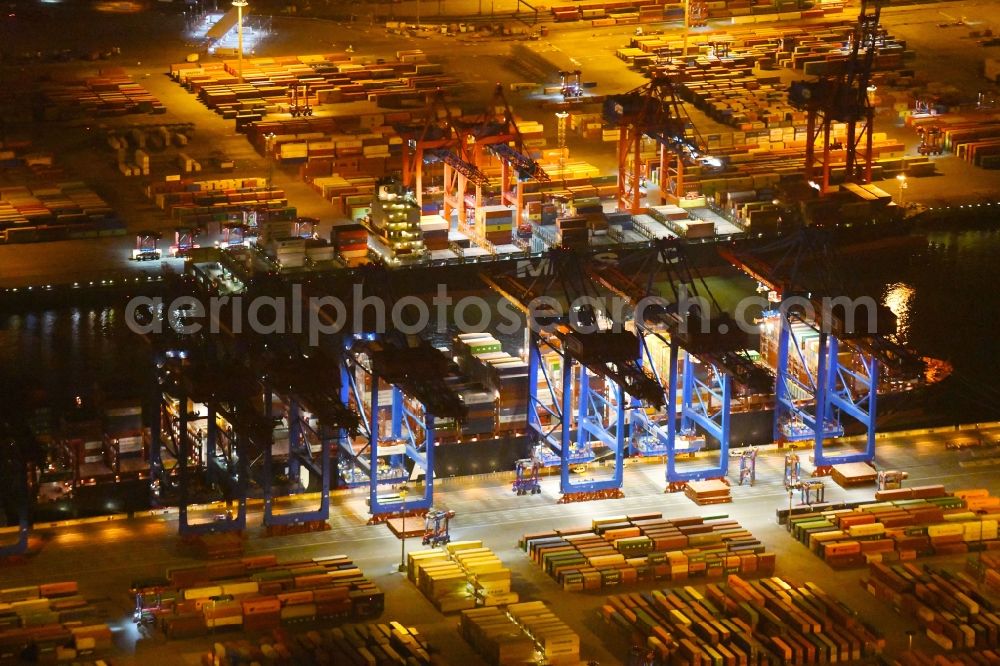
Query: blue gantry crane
{"points": [[702, 353], [307, 388], [14, 474], [583, 375], [200, 443], [220, 401], [397, 384], [829, 350]]}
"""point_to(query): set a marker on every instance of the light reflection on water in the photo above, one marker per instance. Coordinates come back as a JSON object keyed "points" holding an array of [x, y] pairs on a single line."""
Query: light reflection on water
{"points": [[68, 351], [898, 298]]}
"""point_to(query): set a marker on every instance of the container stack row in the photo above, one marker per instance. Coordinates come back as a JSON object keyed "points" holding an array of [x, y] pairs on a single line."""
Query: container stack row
{"points": [[13, 152], [621, 12], [155, 137], [95, 456], [461, 576], [53, 212], [200, 203], [570, 171], [259, 594], [351, 196], [473, 353], [321, 79], [493, 385], [974, 138], [495, 224], [34, 168], [111, 93], [553, 638], [771, 44], [947, 606], [53, 618], [573, 231], [434, 230], [481, 358], [937, 524], [62, 203], [361, 142], [518, 633], [320, 153], [921, 658], [679, 221], [769, 621], [387, 644], [988, 567], [626, 549], [294, 251], [815, 50], [350, 242], [496, 637]]}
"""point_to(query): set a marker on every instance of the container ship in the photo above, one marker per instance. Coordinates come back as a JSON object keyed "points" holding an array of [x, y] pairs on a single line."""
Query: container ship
{"points": [[95, 458], [92, 459], [855, 218]]}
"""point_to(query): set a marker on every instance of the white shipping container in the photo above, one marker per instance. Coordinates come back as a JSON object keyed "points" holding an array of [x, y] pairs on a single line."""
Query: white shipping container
{"points": [[293, 262], [320, 253], [131, 447]]}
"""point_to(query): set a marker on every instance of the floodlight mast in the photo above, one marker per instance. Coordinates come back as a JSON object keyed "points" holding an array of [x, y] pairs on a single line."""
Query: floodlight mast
{"points": [[239, 4]]}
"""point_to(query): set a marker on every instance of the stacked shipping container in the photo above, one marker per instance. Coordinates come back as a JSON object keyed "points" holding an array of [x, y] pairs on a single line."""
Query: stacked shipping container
{"points": [[762, 622], [258, 594], [930, 523], [625, 549]]}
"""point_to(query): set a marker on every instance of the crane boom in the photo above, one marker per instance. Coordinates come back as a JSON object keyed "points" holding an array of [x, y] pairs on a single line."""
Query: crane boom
{"points": [[723, 351], [467, 169]]}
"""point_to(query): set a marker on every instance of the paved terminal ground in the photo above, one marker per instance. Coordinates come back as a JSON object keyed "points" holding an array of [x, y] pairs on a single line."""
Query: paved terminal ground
{"points": [[151, 40], [106, 557]]}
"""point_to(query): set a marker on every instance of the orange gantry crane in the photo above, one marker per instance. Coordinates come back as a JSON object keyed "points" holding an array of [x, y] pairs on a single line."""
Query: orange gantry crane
{"points": [[497, 134], [439, 139], [464, 149], [843, 97], [652, 110]]}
